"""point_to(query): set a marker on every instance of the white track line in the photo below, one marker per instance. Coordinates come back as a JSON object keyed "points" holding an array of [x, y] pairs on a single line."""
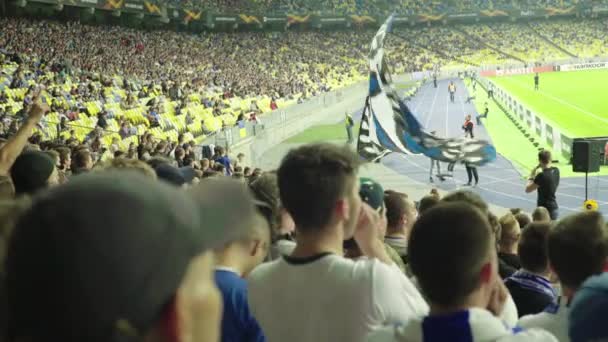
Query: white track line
{"points": [[430, 114]]}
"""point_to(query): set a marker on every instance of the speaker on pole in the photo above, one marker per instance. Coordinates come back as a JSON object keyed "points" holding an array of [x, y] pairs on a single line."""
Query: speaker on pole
{"points": [[586, 156]]}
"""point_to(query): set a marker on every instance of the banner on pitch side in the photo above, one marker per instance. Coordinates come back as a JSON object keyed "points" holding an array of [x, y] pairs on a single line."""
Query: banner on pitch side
{"points": [[583, 66]]}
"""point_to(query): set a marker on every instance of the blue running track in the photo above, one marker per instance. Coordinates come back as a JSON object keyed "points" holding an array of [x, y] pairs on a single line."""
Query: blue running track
{"points": [[500, 183]]}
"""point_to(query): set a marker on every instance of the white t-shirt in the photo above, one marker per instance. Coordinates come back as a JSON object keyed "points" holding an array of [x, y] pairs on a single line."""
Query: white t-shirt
{"points": [[329, 298], [554, 319], [473, 325]]}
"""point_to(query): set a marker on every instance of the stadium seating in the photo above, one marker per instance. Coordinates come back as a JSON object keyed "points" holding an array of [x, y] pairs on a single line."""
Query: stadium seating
{"points": [[240, 73]]}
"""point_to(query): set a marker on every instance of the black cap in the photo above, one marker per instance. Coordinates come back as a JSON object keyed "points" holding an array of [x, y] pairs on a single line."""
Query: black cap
{"points": [[31, 171], [103, 253], [174, 175]]}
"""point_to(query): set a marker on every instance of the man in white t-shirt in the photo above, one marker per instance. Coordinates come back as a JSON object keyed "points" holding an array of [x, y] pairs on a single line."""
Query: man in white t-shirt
{"points": [[316, 294], [462, 285], [577, 249]]}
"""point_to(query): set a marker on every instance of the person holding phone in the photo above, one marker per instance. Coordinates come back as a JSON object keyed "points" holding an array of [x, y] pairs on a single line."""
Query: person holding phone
{"points": [[545, 180]]}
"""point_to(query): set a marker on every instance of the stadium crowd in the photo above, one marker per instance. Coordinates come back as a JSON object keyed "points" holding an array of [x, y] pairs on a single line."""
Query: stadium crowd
{"points": [[153, 250], [376, 7], [111, 86]]}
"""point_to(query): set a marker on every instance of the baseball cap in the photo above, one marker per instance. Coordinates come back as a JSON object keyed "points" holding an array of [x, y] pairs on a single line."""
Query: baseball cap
{"points": [[371, 192], [31, 171], [588, 311], [99, 258], [174, 175]]}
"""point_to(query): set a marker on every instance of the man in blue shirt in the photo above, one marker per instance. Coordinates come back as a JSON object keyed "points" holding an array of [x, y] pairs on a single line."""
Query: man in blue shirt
{"points": [[223, 159], [234, 261]]}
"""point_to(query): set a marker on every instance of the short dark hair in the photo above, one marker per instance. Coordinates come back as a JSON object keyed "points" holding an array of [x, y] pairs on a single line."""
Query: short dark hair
{"points": [[523, 219], [396, 206], [427, 202], [266, 192], [64, 153], [532, 248], [541, 214], [312, 178], [515, 211], [436, 260], [469, 197], [80, 157], [578, 247], [156, 161], [544, 156]]}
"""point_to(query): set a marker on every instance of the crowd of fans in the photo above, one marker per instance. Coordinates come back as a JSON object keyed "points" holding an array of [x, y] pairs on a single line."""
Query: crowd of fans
{"points": [[379, 7], [108, 87], [171, 247]]}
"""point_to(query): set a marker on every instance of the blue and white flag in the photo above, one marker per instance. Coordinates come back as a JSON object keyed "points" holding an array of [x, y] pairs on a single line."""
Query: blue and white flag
{"points": [[388, 125]]}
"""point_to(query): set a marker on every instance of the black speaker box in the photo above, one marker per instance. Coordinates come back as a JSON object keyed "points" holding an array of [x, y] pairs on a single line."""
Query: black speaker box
{"points": [[586, 156]]}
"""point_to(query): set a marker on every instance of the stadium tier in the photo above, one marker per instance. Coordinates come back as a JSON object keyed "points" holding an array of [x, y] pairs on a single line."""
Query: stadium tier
{"points": [[172, 83]]}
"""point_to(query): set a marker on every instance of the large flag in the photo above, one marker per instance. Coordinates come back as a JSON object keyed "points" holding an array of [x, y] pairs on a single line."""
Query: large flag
{"points": [[388, 125]]}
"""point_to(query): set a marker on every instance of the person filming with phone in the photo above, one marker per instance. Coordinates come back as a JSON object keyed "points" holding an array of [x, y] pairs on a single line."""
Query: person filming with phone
{"points": [[545, 179]]}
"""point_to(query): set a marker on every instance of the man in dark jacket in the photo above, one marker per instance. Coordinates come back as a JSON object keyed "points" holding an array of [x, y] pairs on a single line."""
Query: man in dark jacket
{"points": [[530, 287]]}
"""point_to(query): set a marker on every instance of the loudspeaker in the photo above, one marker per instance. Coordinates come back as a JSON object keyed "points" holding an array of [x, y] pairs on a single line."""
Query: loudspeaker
{"points": [[585, 156]]}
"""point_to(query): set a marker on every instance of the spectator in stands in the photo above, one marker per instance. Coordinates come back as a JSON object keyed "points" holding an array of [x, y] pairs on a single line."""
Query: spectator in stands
{"points": [[141, 301], [124, 164], [465, 294], [531, 286], [372, 194], [236, 258], [509, 241], [180, 177], [222, 159], [240, 159], [475, 200], [523, 219], [426, 203], [18, 140], [266, 191], [330, 298], [32, 172], [180, 154], [401, 215], [82, 161], [541, 214], [588, 314], [578, 249]]}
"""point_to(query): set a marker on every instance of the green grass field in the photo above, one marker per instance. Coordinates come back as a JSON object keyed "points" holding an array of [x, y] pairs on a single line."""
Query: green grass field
{"points": [[572, 101], [575, 101], [323, 133]]}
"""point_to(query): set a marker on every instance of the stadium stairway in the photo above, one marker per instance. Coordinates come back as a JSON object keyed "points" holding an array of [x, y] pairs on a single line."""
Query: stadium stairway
{"points": [[551, 42], [437, 51], [481, 42]]}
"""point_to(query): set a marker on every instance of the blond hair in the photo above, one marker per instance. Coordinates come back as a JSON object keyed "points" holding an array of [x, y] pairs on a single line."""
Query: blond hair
{"points": [[125, 164], [509, 230]]}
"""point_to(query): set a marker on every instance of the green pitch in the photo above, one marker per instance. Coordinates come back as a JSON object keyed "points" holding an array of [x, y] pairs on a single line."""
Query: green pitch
{"points": [[577, 102], [324, 133], [573, 101]]}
